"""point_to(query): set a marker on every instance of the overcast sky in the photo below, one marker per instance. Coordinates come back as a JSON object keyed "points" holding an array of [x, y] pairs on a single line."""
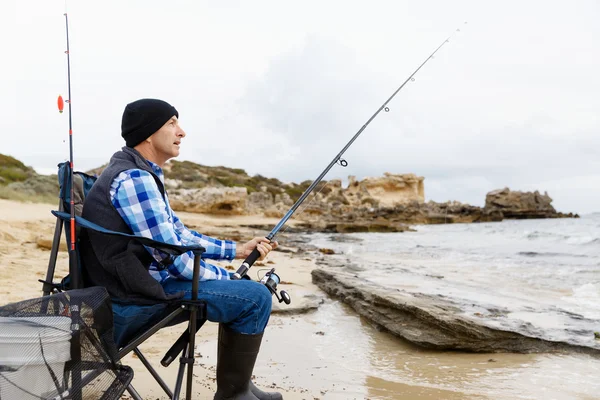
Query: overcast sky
{"points": [[278, 88]]}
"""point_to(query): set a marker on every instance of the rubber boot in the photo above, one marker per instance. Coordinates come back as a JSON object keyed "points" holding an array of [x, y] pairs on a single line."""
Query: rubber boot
{"points": [[236, 356], [264, 395]]}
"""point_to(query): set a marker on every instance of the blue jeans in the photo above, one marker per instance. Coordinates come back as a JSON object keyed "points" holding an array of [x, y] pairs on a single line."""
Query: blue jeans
{"points": [[243, 305]]}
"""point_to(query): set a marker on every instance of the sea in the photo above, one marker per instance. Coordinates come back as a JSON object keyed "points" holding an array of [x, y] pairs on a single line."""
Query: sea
{"points": [[542, 276]]}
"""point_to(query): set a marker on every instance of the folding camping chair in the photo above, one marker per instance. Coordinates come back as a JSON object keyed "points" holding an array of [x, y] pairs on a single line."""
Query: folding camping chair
{"points": [[170, 313]]}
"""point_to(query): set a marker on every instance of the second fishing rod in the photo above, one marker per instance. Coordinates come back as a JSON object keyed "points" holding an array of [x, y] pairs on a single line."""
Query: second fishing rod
{"points": [[255, 255]]}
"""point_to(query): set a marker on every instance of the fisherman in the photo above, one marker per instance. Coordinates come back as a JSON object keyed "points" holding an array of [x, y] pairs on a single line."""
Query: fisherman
{"points": [[130, 196]]}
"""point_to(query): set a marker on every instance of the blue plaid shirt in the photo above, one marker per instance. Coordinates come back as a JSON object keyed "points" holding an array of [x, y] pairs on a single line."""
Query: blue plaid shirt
{"points": [[141, 205]]}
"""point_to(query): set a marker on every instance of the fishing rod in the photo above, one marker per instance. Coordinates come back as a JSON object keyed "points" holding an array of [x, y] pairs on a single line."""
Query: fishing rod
{"points": [[72, 257], [255, 255]]}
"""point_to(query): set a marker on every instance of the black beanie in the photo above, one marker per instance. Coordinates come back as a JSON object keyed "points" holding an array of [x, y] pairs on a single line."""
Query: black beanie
{"points": [[144, 117]]}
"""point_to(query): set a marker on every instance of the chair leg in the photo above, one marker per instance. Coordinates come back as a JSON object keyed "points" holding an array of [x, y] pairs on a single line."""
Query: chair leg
{"points": [[153, 372], [179, 346], [187, 358], [133, 393], [190, 352], [179, 381], [47, 287]]}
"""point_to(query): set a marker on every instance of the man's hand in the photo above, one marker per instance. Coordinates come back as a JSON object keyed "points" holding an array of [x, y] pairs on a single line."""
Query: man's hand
{"points": [[260, 243]]}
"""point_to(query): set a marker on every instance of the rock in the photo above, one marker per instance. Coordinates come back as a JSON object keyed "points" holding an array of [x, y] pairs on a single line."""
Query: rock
{"points": [[284, 199], [457, 212], [430, 322], [388, 190], [370, 227], [277, 210], [490, 216], [520, 205], [46, 244], [259, 201], [345, 239], [273, 212], [173, 184], [300, 304], [211, 200], [380, 204]]}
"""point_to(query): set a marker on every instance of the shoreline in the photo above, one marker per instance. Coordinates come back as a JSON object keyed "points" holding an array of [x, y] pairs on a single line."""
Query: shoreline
{"points": [[325, 352]]}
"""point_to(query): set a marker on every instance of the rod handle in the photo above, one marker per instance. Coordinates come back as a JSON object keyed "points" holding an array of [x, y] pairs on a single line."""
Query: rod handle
{"points": [[243, 269]]}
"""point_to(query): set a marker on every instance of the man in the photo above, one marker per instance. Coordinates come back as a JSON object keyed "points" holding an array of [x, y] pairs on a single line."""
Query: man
{"points": [[129, 196]]}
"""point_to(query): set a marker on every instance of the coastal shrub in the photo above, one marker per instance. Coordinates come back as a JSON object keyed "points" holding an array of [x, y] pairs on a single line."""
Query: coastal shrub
{"points": [[37, 185], [186, 171], [19, 192], [13, 170], [294, 192], [229, 181], [9, 175], [11, 162]]}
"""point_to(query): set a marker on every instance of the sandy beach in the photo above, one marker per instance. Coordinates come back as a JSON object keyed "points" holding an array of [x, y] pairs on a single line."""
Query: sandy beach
{"points": [[327, 353]]}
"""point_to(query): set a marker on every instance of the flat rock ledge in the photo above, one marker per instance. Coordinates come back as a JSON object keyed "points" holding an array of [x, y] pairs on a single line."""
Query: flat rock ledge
{"points": [[429, 322], [300, 304]]}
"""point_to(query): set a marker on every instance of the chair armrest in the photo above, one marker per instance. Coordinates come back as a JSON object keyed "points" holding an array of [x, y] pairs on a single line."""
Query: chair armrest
{"points": [[168, 248]]}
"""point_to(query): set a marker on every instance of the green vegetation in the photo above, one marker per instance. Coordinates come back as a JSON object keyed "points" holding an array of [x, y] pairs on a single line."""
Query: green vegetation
{"points": [[22, 183], [296, 190], [194, 175], [10, 193], [13, 170]]}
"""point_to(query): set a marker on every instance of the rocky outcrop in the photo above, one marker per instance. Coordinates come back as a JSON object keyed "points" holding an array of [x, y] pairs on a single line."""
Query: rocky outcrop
{"points": [[257, 202], [386, 191], [521, 205], [456, 212], [331, 217], [211, 200], [331, 214], [380, 204], [386, 204], [430, 322]]}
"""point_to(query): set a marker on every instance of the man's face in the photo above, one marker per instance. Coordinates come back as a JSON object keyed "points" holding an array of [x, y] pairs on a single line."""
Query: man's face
{"points": [[166, 141]]}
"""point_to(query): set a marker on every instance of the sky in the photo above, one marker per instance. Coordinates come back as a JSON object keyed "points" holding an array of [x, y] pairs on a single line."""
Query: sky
{"points": [[279, 87]]}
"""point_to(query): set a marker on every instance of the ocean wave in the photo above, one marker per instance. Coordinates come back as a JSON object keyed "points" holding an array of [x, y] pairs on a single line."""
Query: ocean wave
{"points": [[586, 297], [569, 239], [545, 235], [592, 241], [549, 254]]}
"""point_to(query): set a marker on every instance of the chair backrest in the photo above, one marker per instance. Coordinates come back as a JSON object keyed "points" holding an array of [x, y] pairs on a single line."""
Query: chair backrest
{"points": [[140, 288], [82, 183]]}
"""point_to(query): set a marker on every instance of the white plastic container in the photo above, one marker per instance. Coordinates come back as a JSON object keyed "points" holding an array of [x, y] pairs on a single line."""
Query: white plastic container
{"points": [[23, 373]]}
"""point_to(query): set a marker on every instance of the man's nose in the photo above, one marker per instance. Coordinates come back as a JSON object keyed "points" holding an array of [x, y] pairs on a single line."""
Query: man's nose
{"points": [[181, 133]]}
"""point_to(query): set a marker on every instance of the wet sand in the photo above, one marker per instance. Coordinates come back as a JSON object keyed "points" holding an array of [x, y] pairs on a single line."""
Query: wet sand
{"points": [[330, 353]]}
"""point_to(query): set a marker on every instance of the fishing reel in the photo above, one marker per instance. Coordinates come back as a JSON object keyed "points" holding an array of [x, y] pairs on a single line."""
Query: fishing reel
{"points": [[271, 280]]}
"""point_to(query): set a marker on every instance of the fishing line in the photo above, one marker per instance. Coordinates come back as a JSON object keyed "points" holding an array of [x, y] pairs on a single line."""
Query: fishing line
{"points": [[255, 255]]}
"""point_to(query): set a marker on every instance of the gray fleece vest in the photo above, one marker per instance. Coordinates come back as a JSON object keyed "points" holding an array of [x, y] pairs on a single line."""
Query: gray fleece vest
{"points": [[119, 264]]}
